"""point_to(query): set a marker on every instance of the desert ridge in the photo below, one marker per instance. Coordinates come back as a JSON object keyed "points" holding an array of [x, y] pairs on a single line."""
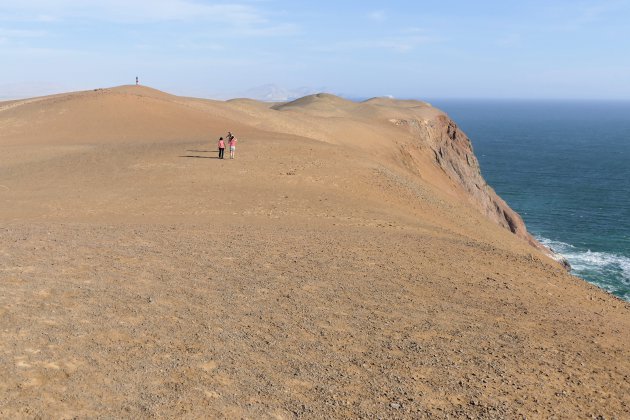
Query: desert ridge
{"points": [[124, 114], [383, 127], [351, 261]]}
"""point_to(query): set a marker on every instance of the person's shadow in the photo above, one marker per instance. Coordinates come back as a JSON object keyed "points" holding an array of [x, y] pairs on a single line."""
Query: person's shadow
{"points": [[199, 156]]}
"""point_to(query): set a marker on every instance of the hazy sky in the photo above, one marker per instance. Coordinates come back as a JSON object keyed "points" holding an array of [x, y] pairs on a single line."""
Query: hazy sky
{"points": [[421, 49]]}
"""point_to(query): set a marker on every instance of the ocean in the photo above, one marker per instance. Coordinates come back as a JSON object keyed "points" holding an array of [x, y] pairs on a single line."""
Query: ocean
{"points": [[564, 166]]}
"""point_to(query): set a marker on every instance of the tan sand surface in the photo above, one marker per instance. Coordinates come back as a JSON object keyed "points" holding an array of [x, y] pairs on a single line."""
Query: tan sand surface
{"points": [[330, 271]]}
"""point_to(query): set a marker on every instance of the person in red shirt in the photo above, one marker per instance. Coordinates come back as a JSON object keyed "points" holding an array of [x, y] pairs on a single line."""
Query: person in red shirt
{"points": [[221, 147]]}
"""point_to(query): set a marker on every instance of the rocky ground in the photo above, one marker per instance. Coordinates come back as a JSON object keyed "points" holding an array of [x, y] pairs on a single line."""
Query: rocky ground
{"points": [[303, 279]]}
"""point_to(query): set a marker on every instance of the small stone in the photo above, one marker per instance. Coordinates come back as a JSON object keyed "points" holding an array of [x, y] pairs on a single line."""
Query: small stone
{"points": [[394, 405]]}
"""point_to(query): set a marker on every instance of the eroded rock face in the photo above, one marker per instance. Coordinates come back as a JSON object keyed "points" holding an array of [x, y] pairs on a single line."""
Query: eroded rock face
{"points": [[453, 153]]}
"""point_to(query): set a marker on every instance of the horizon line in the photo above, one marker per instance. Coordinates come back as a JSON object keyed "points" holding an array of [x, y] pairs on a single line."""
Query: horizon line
{"points": [[355, 98]]}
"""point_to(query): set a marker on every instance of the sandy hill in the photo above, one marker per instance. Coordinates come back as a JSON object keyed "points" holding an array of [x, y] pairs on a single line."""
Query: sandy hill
{"points": [[350, 262], [324, 103]]}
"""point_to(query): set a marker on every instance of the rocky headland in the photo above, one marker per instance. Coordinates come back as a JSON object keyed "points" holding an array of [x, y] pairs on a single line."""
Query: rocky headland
{"points": [[350, 262]]}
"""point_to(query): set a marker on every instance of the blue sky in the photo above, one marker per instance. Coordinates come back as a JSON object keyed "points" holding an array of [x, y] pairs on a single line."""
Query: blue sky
{"points": [[555, 49]]}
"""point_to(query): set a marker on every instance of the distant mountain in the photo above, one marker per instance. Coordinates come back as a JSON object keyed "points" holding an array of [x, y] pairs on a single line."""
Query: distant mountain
{"points": [[275, 93]]}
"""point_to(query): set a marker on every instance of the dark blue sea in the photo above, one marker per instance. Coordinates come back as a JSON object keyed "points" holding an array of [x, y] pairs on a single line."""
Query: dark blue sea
{"points": [[565, 168]]}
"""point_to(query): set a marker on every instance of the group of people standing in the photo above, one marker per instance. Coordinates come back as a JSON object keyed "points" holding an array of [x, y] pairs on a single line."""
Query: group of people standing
{"points": [[231, 142]]}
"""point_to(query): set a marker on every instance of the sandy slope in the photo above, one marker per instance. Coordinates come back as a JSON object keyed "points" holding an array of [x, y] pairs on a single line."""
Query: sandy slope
{"points": [[319, 274]]}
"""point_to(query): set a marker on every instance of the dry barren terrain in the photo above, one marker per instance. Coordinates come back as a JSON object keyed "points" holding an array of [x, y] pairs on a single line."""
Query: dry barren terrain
{"points": [[341, 266]]}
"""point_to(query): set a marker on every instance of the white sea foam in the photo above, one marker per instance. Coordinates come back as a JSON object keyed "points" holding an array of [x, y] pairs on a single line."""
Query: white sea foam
{"points": [[607, 270]]}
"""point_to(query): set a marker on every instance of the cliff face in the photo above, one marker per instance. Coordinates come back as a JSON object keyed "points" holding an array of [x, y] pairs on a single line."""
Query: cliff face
{"points": [[453, 154]]}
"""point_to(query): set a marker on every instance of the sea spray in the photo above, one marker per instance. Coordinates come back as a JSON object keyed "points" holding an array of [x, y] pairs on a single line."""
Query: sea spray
{"points": [[609, 271]]}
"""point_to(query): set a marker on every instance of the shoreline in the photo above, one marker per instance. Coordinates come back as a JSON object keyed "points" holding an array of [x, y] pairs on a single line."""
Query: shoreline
{"points": [[586, 261]]}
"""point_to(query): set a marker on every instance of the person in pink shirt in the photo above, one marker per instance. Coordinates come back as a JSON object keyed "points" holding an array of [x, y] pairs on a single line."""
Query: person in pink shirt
{"points": [[232, 144], [221, 146]]}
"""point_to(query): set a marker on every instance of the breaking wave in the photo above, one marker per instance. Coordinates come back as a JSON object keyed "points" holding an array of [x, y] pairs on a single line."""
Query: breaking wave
{"points": [[606, 270]]}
